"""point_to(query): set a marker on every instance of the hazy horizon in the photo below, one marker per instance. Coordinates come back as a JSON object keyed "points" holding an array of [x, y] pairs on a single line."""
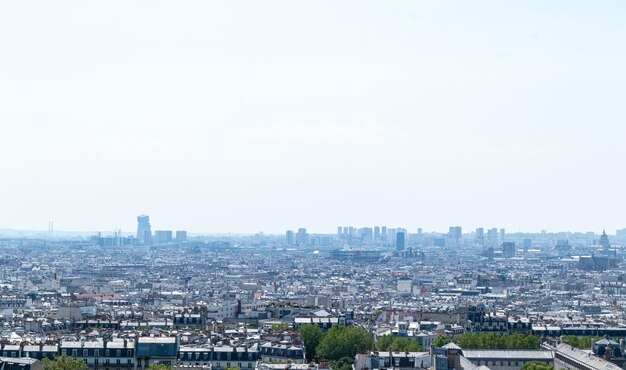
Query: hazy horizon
{"points": [[247, 116]]}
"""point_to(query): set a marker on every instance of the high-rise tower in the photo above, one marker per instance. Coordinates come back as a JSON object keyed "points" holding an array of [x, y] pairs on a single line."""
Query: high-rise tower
{"points": [[144, 232]]}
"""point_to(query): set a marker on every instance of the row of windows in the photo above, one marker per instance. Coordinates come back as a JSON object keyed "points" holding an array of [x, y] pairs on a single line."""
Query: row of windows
{"points": [[507, 363], [108, 362], [219, 355], [96, 353]]}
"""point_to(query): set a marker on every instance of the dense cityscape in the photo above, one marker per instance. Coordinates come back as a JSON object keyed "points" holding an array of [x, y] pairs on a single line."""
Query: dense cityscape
{"points": [[312, 185], [402, 299]]}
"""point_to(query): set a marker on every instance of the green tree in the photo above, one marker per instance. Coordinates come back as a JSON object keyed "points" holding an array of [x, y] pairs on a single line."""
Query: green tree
{"points": [[388, 343], [341, 341], [496, 341], [533, 365], [584, 342], [64, 362], [441, 340], [311, 336], [344, 363], [384, 342]]}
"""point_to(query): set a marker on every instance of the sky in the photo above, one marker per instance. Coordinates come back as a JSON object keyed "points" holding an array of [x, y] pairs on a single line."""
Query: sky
{"points": [[247, 116]]}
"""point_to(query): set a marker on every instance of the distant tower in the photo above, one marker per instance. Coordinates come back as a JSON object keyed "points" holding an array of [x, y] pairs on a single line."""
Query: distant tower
{"points": [[400, 241], [302, 238], [144, 231], [480, 236], [289, 237], [508, 249]]}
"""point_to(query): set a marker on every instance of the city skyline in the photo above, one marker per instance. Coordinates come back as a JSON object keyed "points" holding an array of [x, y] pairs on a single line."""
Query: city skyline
{"points": [[143, 225]]}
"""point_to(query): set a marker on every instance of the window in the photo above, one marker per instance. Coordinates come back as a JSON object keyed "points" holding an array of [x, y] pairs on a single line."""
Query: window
{"points": [[95, 361], [107, 353], [118, 353], [63, 352], [74, 353], [85, 353]]}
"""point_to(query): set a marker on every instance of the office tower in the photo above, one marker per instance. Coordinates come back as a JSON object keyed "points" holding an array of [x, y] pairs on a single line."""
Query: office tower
{"points": [[144, 232], [528, 243], [391, 236], [508, 249], [376, 233], [419, 237], [302, 238], [366, 233], [455, 233], [502, 235], [181, 236], [400, 241], [492, 237], [289, 237], [480, 236], [339, 232], [163, 236], [383, 233]]}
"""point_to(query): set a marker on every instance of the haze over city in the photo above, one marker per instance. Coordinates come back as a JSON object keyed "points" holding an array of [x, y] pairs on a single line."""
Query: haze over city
{"points": [[244, 117]]}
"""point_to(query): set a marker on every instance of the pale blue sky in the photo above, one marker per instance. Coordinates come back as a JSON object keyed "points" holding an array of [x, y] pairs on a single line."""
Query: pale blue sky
{"points": [[247, 116]]}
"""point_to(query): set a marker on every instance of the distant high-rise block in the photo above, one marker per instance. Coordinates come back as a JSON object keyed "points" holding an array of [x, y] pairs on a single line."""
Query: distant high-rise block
{"points": [[502, 235], [144, 232], [376, 232], [455, 232], [289, 237], [528, 243], [339, 229], [492, 237], [302, 238], [480, 236], [400, 241], [163, 236], [508, 249], [181, 236]]}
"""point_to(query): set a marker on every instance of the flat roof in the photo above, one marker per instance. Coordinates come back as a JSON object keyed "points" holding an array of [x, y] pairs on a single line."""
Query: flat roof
{"points": [[522, 354]]}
